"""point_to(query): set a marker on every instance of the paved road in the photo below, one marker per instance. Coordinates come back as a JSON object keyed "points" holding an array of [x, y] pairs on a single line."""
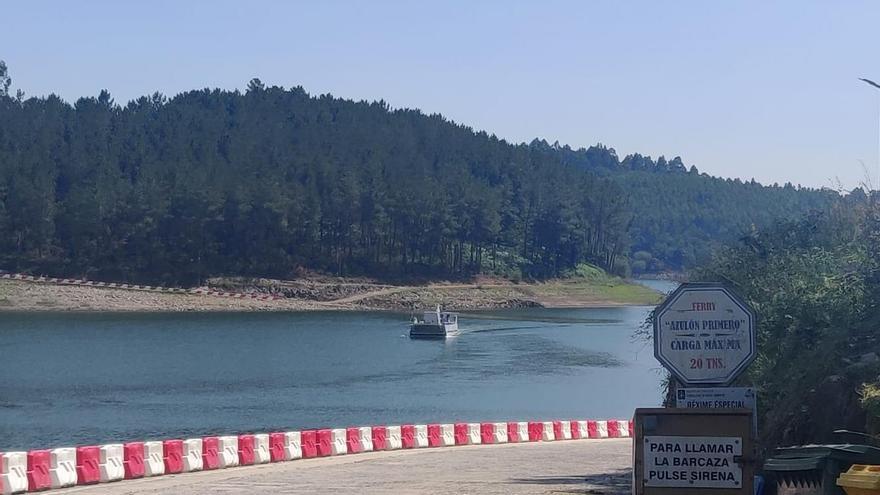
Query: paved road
{"points": [[572, 467]]}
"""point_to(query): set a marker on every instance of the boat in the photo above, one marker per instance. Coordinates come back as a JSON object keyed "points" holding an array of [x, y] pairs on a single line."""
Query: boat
{"points": [[434, 325]]}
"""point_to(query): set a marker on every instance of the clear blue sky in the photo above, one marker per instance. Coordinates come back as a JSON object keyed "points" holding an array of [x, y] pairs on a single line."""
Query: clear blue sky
{"points": [[741, 89]]}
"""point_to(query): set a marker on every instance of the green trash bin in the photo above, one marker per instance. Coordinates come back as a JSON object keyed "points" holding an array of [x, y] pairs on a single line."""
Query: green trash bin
{"points": [[813, 469]]}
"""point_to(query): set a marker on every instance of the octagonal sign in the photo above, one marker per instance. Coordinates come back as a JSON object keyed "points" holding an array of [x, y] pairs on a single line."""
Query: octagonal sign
{"points": [[704, 334]]}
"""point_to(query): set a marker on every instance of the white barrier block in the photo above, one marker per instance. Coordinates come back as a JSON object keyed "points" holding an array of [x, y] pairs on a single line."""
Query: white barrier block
{"points": [[110, 462], [474, 437], [154, 459], [420, 432], [13, 472], [602, 428], [582, 429], [566, 430], [522, 431], [548, 435], [192, 455], [262, 454], [62, 467], [500, 433], [292, 445], [366, 436], [337, 442], [447, 434], [227, 450], [623, 428], [392, 438]]}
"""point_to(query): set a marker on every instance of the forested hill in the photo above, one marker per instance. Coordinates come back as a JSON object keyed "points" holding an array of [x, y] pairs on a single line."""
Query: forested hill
{"points": [[270, 181]]}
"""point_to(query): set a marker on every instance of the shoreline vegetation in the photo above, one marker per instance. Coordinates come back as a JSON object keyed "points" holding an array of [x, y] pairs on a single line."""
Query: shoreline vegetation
{"points": [[316, 293]]}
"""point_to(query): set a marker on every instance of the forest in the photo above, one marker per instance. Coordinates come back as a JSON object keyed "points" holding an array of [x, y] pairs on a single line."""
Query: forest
{"points": [[271, 181]]}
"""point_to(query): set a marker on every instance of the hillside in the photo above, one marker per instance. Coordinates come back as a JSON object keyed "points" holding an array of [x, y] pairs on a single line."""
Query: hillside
{"points": [[272, 181]]}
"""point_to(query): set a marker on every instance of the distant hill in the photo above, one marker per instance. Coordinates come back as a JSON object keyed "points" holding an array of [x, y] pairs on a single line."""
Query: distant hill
{"points": [[271, 181]]}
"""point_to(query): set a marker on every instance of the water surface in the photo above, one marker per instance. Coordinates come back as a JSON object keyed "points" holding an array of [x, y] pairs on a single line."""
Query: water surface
{"points": [[90, 378]]}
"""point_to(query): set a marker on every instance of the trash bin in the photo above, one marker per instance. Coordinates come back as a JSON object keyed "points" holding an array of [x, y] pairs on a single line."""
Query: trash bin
{"points": [[814, 469], [860, 480]]}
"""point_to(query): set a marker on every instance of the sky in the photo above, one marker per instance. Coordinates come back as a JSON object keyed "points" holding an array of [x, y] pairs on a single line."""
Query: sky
{"points": [[749, 89]]}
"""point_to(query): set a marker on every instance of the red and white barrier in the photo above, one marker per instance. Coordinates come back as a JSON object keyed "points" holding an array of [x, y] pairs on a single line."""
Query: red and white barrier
{"points": [[43, 469]]}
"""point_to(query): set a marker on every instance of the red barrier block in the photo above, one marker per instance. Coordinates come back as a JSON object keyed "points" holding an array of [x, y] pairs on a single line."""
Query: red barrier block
{"points": [[407, 436], [513, 432], [632, 433], [461, 434], [536, 431], [380, 435], [87, 465], [324, 442], [592, 429], [487, 432], [435, 437], [133, 460], [38, 470], [353, 440], [557, 430], [173, 452], [210, 453], [613, 429], [309, 444], [245, 450], [276, 446], [575, 430]]}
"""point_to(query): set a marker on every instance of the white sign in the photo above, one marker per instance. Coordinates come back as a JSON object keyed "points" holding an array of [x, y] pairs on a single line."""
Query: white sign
{"points": [[692, 462], [704, 334], [719, 398]]}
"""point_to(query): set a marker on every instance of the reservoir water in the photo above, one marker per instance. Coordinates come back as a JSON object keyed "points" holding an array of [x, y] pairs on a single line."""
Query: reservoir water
{"points": [[72, 379]]}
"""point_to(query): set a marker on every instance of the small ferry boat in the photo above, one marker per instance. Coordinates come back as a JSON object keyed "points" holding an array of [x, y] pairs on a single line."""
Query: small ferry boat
{"points": [[434, 325]]}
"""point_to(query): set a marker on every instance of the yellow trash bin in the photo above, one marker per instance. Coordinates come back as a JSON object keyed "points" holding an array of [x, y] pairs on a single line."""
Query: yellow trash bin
{"points": [[860, 480]]}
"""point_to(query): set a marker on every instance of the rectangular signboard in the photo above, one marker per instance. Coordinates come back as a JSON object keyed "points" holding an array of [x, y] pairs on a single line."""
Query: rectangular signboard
{"points": [[719, 398], [692, 462]]}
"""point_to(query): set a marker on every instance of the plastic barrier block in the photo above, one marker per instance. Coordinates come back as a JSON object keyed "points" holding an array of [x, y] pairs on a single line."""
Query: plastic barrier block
{"points": [[435, 439], [461, 434], [536, 431], [566, 430], [227, 447], [379, 437], [62, 467], [407, 436], [447, 433], [500, 433], [133, 460], [173, 456], [13, 472], [474, 433], [337, 438], [366, 434], [112, 466], [324, 442], [630, 429], [557, 431], [420, 435], [393, 438], [261, 448], [575, 432], [277, 450], [582, 429], [549, 432], [522, 431], [293, 445], [192, 455], [623, 429], [513, 432], [154, 459], [487, 432], [613, 430], [353, 440], [245, 450], [592, 429], [309, 440], [210, 453], [602, 429], [38, 470], [88, 470]]}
